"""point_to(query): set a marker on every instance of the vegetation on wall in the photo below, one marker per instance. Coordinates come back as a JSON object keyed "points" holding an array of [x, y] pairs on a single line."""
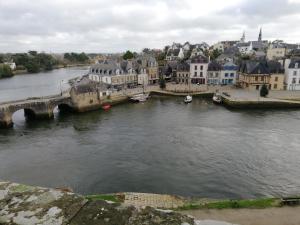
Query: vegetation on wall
{"points": [[5, 71]]}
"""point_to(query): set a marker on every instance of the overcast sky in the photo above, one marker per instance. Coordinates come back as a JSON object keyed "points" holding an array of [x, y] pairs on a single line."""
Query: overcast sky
{"points": [[118, 25]]}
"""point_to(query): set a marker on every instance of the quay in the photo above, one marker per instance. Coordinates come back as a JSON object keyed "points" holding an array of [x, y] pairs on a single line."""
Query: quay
{"points": [[238, 99]]}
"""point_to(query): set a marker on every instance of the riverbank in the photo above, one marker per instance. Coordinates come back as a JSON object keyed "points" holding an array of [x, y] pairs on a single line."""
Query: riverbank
{"points": [[24, 72], [23, 204]]}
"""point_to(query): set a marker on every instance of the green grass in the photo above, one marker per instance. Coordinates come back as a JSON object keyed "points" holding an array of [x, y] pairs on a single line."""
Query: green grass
{"points": [[234, 204], [111, 198]]}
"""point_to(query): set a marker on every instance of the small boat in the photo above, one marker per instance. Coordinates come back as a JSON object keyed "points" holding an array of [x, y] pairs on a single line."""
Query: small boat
{"points": [[188, 99], [106, 106], [217, 98], [140, 97]]}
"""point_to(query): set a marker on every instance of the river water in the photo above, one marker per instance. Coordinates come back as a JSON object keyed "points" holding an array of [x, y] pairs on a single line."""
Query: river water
{"points": [[161, 146]]}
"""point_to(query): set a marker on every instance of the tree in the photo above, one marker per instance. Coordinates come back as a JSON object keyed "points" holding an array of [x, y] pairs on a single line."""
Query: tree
{"points": [[215, 54], [128, 55], [162, 82], [5, 71], [32, 66], [264, 91]]}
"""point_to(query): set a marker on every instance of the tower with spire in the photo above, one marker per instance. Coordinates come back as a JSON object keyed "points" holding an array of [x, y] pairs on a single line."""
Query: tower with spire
{"points": [[243, 38], [260, 35]]}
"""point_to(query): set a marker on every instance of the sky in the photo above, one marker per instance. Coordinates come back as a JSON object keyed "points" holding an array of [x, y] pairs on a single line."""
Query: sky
{"points": [[103, 26]]}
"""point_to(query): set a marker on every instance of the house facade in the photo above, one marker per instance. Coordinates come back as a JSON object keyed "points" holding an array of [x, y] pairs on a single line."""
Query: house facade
{"points": [[292, 74], [113, 75], [253, 75], [228, 74], [214, 73], [183, 73], [198, 69]]}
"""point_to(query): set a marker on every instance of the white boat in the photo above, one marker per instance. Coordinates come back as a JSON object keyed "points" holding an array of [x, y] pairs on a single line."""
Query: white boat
{"points": [[217, 98], [188, 99], [140, 97]]}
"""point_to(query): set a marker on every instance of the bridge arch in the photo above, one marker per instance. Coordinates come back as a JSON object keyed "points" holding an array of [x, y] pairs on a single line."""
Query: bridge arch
{"points": [[16, 115]]}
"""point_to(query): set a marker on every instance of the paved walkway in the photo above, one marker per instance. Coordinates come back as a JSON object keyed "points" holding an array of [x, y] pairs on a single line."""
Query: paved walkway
{"points": [[153, 200], [269, 216]]}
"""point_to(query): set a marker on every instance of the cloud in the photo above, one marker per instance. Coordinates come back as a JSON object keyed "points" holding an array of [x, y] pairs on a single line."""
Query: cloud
{"points": [[117, 25]]}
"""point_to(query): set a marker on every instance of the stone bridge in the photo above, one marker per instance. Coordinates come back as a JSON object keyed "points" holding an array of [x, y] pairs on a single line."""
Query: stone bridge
{"points": [[33, 108]]}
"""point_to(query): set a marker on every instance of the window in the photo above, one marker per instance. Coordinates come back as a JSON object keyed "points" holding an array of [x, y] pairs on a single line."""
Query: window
{"points": [[294, 81], [232, 75], [196, 68], [226, 74], [276, 79], [256, 78], [201, 67], [275, 86], [296, 65], [295, 73], [262, 78], [201, 74], [257, 87], [195, 74]]}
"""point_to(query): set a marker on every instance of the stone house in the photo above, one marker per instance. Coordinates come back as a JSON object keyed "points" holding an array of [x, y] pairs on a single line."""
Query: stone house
{"points": [[88, 95]]}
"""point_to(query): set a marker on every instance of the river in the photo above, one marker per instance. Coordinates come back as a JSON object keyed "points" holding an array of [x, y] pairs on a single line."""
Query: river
{"points": [[161, 146]]}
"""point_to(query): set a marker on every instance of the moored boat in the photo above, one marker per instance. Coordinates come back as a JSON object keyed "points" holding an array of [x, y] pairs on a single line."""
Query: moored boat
{"points": [[106, 106], [188, 99], [217, 98], [140, 97]]}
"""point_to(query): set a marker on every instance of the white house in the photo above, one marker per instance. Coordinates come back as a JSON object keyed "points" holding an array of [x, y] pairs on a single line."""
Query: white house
{"points": [[219, 46], [198, 69], [12, 65], [228, 73], [142, 77], [292, 74]]}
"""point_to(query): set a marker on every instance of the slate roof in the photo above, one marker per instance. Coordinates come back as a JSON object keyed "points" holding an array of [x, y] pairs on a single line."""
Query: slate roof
{"points": [[183, 67], [173, 52], [254, 67], [214, 66], [199, 59], [275, 67], [229, 66], [294, 63], [84, 85]]}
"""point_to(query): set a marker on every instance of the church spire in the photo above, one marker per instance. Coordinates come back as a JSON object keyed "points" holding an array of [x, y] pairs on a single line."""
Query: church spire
{"points": [[260, 35], [243, 37]]}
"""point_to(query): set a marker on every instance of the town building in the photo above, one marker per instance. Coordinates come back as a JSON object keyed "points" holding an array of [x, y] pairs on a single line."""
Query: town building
{"points": [[253, 74], [277, 76], [183, 73], [112, 74], [292, 74], [214, 73], [219, 46], [151, 65], [198, 69], [228, 74], [12, 65]]}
